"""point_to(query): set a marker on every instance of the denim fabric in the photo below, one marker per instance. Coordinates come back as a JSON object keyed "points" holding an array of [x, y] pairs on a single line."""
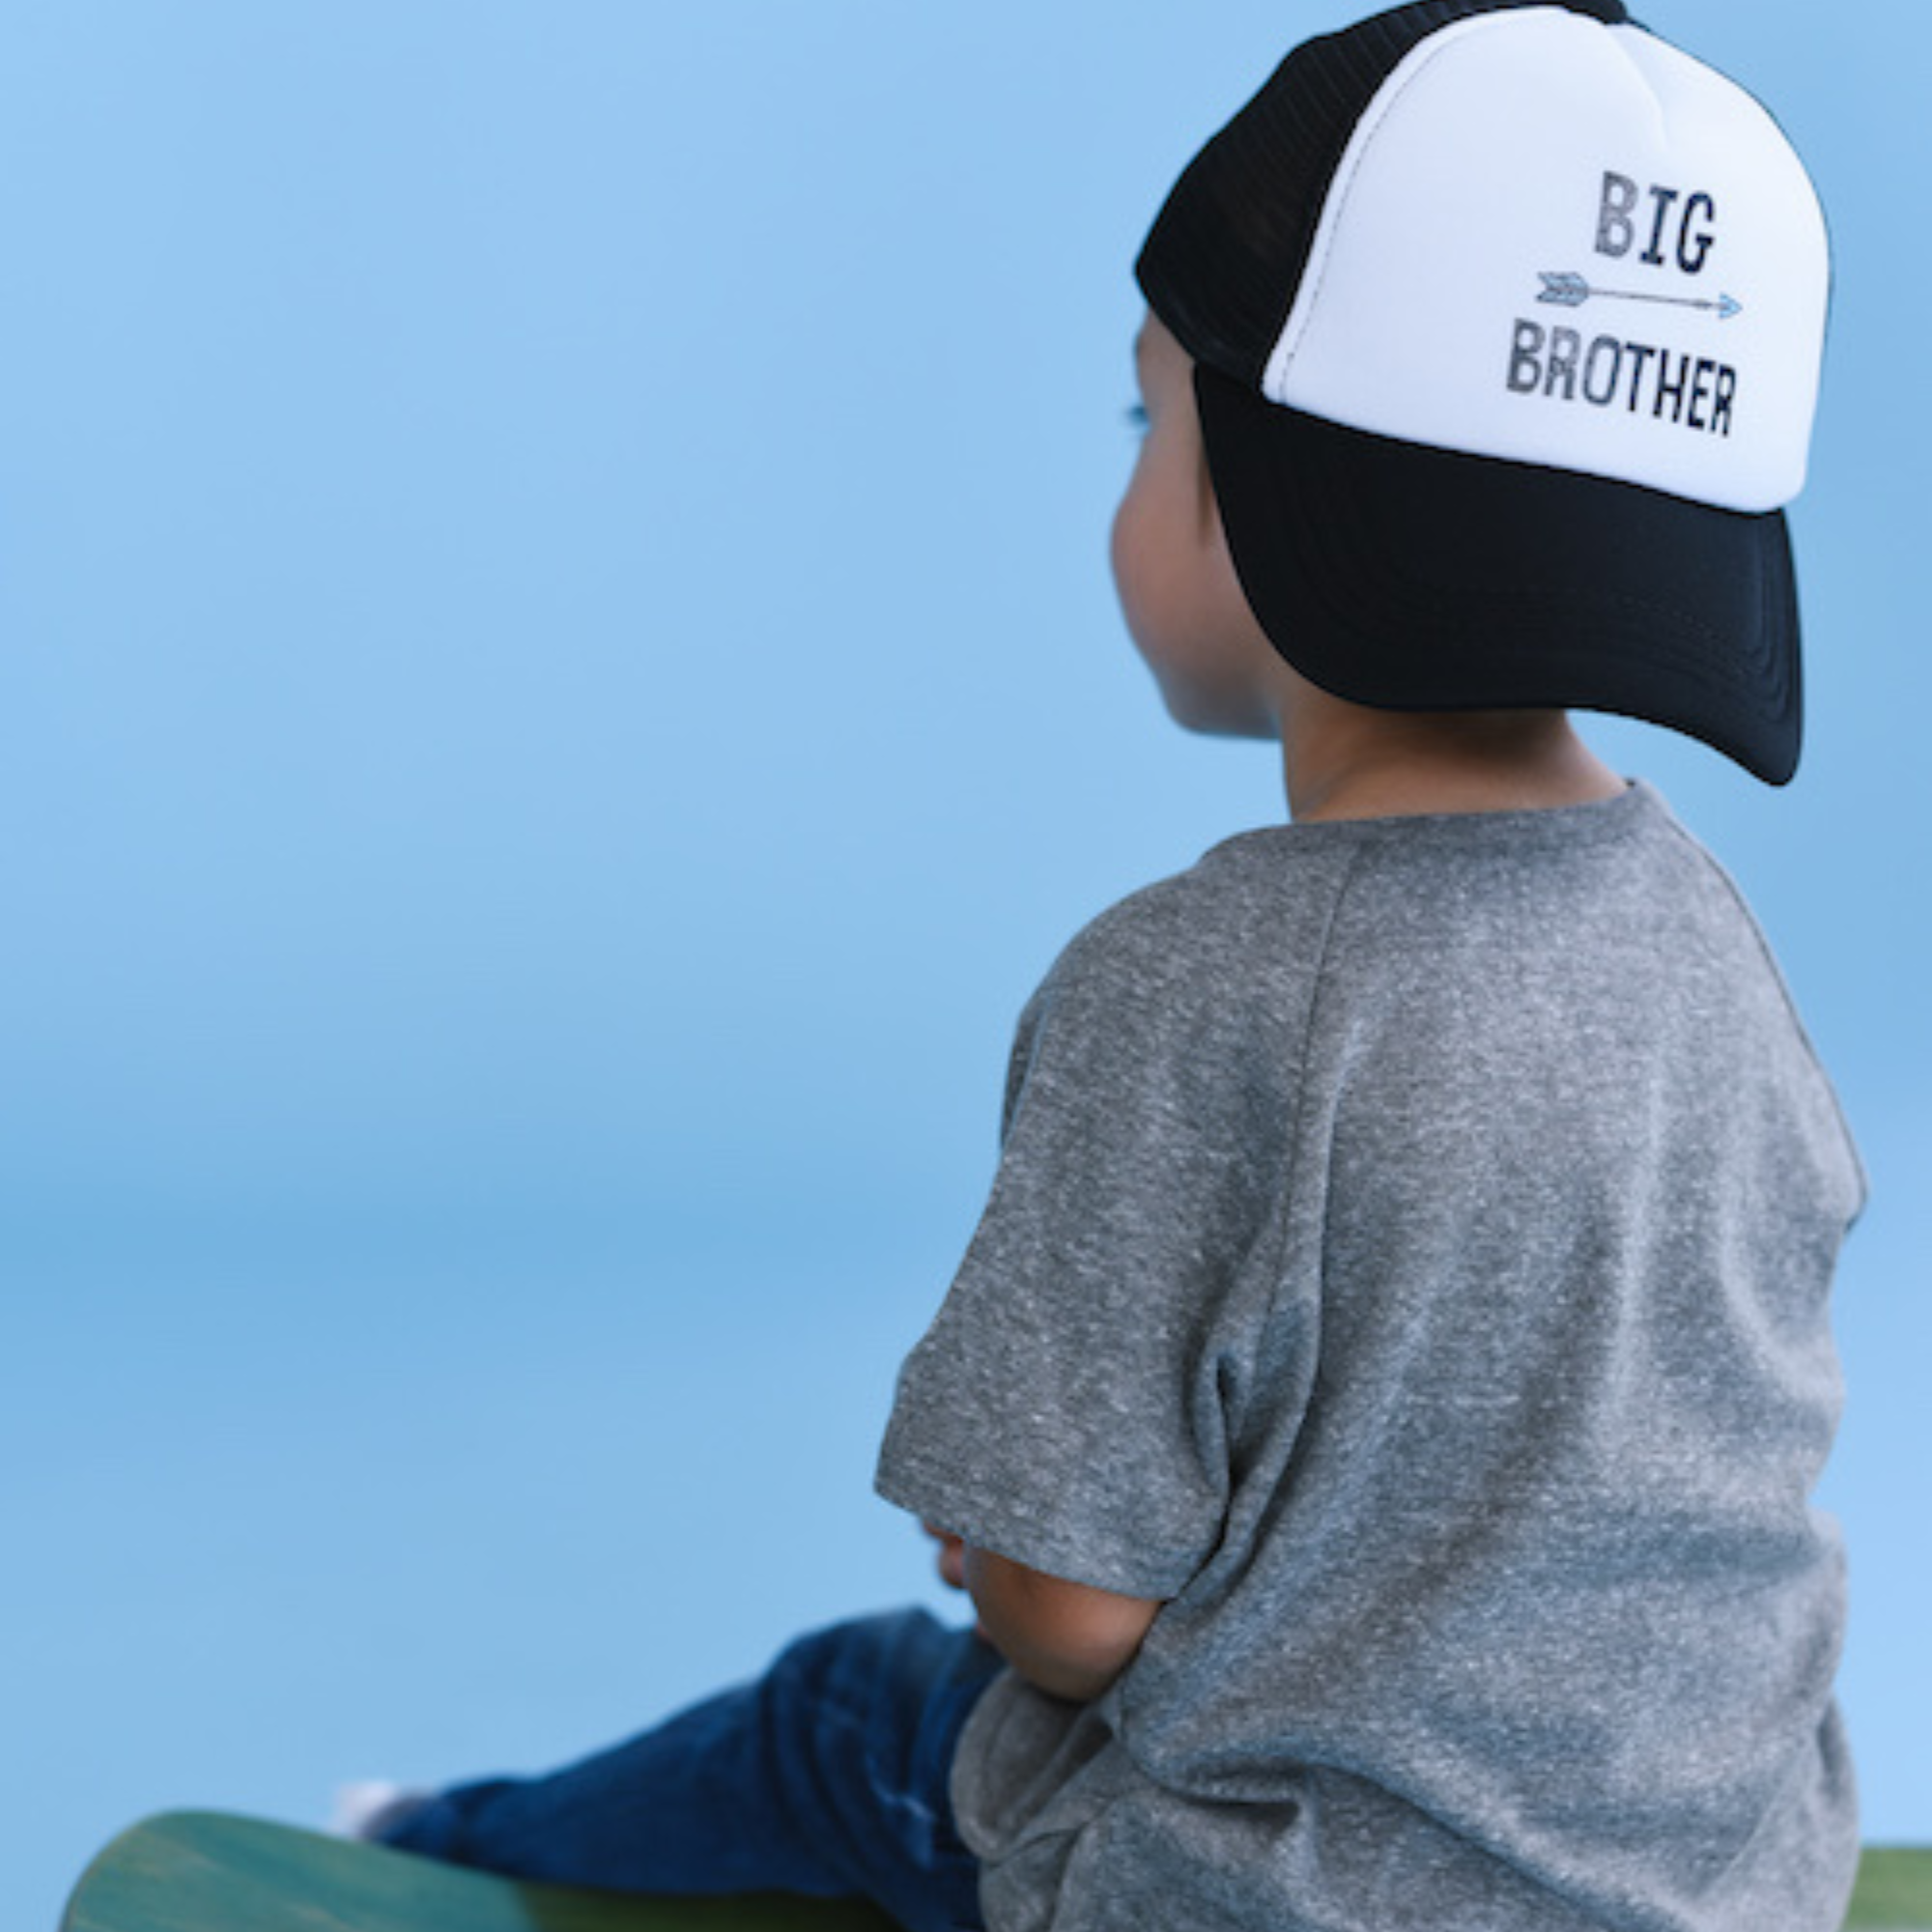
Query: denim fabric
{"points": [[826, 1777]]}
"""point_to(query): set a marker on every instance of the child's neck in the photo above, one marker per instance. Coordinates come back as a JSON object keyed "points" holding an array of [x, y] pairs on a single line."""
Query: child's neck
{"points": [[1343, 761]]}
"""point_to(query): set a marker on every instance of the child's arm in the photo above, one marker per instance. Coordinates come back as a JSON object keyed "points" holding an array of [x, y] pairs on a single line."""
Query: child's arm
{"points": [[1068, 1639]]}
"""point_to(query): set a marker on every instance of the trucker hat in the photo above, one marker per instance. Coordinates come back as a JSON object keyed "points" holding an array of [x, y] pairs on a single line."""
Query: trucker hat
{"points": [[1507, 322]]}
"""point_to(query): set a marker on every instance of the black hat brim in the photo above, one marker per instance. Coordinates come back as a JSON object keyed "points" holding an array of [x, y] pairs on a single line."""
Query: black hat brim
{"points": [[1408, 578]]}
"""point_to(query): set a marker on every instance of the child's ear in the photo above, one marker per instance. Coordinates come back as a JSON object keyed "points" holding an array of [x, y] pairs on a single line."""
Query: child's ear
{"points": [[1207, 503], [1210, 505]]}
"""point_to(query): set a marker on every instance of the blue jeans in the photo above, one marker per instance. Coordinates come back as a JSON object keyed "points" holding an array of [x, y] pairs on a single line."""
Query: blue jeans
{"points": [[826, 1777]]}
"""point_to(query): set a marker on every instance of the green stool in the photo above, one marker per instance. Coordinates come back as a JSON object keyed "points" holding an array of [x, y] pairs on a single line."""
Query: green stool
{"points": [[201, 1871], [1894, 1892]]}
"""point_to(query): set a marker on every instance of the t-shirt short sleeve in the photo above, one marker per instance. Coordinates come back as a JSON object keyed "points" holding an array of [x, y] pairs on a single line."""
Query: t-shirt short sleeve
{"points": [[1071, 1406]]}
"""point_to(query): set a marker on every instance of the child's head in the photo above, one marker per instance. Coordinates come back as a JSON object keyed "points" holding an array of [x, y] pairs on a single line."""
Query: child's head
{"points": [[1500, 324]]}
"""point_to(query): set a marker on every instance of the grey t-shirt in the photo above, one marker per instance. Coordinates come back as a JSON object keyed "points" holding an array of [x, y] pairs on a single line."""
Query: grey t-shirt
{"points": [[1409, 1255]]}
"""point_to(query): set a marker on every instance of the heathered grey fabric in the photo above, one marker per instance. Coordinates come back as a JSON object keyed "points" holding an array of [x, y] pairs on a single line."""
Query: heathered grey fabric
{"points": [[1410, 1253]]}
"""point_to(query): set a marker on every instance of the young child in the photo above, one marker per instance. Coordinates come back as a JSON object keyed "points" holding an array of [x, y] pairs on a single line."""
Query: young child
{"points": [[1377, 1416]]}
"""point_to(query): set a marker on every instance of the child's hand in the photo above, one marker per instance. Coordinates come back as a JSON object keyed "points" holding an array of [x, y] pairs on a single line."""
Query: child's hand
{"points": [[951, 1560]]}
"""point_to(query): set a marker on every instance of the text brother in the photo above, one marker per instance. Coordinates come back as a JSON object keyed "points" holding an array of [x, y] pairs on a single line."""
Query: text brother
{"points": [[1657, 228]]}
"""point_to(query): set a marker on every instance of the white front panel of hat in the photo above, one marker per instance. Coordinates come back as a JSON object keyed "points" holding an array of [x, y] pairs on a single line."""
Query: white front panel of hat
{"points": [[1570, 245]]}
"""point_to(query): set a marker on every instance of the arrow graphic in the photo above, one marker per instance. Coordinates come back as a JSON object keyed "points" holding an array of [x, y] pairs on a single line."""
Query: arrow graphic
{"points": [[1572, 290]]}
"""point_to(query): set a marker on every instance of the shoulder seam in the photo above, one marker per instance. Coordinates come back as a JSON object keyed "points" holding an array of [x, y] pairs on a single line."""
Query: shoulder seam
{"points": [[1297, 1123]]}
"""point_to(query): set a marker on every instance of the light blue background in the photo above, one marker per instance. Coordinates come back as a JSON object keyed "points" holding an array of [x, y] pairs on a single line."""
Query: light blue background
{"points": [[558, 686]]}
